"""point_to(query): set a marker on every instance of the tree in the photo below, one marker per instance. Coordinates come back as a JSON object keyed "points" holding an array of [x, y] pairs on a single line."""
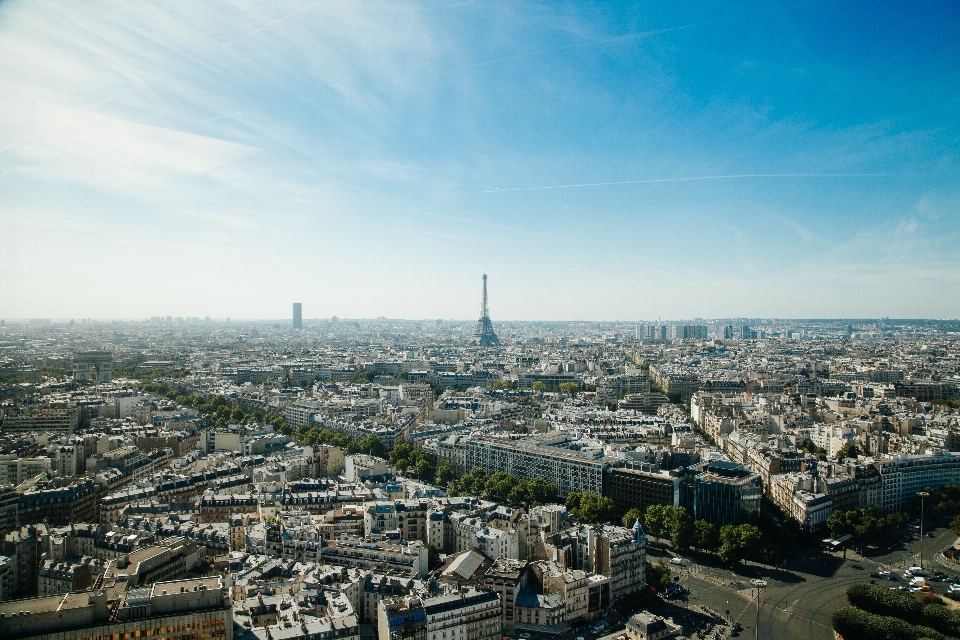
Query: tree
{"points": [[499, 486], [631, 517], [862, 522], [370, 444], [520, 494], [445, 473], [884, 601], [474, 482], [539, 385], [837, 523], [658, 574], [740, 542], [955, 525], [591, 508], [424, 469], [679, 526], [848, 450], [705, 536], [541, 492], [653, 520], [400, 452], [433, 557], [499, 384], [569, 388]]}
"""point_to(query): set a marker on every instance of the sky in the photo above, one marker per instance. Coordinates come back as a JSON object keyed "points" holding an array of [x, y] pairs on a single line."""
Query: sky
{"points": [[599, 161]]}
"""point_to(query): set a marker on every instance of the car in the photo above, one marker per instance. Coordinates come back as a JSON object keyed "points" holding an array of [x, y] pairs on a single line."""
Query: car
{"points": [[928, 535], [954, 588], [875, 575], [758, 583], [857, 567], [524, 635], [678, 561], [734, 633]]}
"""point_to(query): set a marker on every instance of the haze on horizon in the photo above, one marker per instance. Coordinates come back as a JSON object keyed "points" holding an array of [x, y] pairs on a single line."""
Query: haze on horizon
{"points": [[599, 162]]}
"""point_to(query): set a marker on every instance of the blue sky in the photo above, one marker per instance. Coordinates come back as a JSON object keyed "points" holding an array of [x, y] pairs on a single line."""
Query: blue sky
{"points": [[599, 161]]}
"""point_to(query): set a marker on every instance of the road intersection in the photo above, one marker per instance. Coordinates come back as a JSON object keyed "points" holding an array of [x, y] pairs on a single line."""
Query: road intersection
{"points": [[798, 600]]}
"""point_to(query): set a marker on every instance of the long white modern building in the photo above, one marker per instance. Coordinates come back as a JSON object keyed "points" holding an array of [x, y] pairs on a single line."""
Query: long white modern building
{"points": [[903, 476], [539, 457]]}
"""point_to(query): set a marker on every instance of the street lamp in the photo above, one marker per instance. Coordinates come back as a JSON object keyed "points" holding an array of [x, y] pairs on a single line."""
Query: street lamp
{"points": [[757, 628], [923, 498]]}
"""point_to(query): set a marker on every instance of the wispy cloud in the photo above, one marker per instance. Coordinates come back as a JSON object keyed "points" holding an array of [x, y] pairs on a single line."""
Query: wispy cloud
{"points": [[741, 176], [274, 21], [329, 130], [134, 151]]}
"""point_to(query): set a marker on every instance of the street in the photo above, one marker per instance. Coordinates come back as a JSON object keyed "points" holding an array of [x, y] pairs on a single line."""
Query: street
{"points": [[798, 601]]}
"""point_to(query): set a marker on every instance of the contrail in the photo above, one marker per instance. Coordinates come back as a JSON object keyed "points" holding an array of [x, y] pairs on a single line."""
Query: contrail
{"points": [[592, 43], [629, 36], [229, 115], [739, 176], [272, 22]]}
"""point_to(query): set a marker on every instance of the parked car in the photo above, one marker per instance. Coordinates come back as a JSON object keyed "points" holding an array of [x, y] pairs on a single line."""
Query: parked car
{"points": [[677, 560]]}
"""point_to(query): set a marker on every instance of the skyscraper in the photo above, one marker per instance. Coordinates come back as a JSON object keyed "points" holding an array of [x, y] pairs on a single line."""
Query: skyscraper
{"points": [[297, 315]]}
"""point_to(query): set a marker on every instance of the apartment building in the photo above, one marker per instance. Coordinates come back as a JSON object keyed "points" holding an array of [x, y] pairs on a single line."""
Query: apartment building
{"points": [[408, 559], [192, 609], [467, 615], [542, 457], [903, 476], [636, 489], [726, 493]]}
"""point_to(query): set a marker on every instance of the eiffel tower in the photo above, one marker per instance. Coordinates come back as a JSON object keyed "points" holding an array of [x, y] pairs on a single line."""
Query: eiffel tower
{"points": [[484, 334]]}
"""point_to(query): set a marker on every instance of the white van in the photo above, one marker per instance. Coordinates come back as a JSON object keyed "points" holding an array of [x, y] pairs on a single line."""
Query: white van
{"points": [[678, 561], [917, 582], [917, 571]]}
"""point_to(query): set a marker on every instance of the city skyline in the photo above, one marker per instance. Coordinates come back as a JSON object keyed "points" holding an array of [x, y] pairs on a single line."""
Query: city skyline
{"points": [[600, 162]]}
